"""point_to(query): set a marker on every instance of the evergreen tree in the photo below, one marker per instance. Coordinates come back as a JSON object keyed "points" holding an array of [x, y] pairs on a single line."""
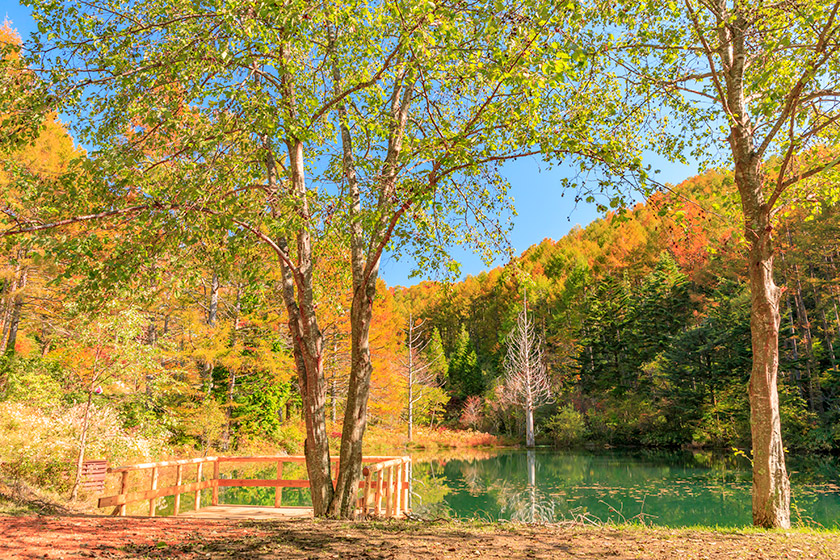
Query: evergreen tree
{"points": [[465, 376], [435, 357]]}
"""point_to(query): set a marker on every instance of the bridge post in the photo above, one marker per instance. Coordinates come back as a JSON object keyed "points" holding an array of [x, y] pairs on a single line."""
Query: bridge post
{"points": [[178, 480], [123, 490], [278, 490], [398, 491], [389, 493], [216, 482], [198, 491], [366, 492], [152, 501], [377, 499], [406, 486]]}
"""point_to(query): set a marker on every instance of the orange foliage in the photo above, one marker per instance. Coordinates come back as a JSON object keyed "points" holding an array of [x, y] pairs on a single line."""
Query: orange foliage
{"points": [[387, 386]]}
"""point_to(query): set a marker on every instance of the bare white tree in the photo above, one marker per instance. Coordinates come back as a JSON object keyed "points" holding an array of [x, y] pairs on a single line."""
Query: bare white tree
{"points": [[526, 379], [418, 370]]}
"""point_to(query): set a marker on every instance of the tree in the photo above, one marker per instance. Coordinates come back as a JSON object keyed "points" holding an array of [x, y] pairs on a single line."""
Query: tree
{"points": [[465, 376], [42, 157], [420, 368], [436, 358], [758, 80], [527, 385], [102, 351], [307, 128]]}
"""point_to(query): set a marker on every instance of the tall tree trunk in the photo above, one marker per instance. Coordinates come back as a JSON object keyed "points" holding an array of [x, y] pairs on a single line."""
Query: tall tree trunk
{"points": [[8, 305], [355, 415], [829, 344], [365, 272], [226, 437], [333, 398], [410, 377], [529, 427], [237, 310], [213, 306], [14, 322], [298, 297], [826, 331], [814, 392], [795, 374], [771, 487], [364, 290], [212, 314], [835, 290], [307, 340], [333, 382], [149, 378], [80, 457]]}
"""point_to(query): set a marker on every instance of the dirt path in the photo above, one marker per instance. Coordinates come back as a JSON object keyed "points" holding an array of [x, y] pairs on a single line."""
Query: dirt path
{"points": [[24, 538]]}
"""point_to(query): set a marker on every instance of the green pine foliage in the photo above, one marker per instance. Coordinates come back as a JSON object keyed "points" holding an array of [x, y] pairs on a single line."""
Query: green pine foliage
{"points": [[464, 372]]}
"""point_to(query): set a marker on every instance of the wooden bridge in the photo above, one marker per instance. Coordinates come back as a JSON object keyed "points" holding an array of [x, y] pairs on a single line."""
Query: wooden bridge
{"points": [[383, 490]]}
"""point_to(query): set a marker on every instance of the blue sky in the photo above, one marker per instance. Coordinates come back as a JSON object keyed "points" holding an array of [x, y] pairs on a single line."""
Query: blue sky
{"points": [[541, 210]]}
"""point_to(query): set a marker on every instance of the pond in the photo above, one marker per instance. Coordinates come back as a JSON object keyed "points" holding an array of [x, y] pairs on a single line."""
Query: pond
{"points": [[668, 488]]}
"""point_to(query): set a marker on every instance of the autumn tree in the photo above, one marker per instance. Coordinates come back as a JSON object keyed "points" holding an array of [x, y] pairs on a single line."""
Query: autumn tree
{"points": [[307, 128], [465, 377], [37, 159], [102, 354], [755, 83]]}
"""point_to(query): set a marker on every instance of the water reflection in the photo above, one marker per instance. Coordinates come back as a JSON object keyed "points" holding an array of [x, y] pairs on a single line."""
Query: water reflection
{"points": [[530, 505], [662, 487]]}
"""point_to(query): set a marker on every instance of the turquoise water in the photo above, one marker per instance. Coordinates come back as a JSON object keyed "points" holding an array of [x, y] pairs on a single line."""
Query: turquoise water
{"points": [[660, 487], [669, 488]]}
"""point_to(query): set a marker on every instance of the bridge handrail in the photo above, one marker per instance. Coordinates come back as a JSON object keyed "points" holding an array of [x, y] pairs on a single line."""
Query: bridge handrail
{"points": [[389, 485]]}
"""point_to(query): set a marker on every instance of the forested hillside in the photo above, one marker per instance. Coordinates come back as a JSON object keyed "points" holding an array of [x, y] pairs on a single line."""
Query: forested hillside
{"points": [[645, 316], [192, 285]]}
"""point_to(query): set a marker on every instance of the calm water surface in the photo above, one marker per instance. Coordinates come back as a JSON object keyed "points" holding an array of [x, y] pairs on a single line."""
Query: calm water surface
{"points": [[666, 488], [662, 487]]}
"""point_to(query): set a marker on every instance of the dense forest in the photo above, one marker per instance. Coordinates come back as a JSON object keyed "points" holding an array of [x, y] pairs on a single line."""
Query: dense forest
{"points": [[644, 316]]}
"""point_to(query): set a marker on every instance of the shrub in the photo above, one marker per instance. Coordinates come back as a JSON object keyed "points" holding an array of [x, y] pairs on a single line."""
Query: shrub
{"points": [[425, 437], [726, 423], [567, 427], [31, 381], [800, 427], [290, 436], [205, 421], [473, 412], [40, 448]]}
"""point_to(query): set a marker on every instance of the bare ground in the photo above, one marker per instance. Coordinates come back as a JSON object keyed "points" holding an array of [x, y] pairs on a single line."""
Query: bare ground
{"points": [[31, 537]]}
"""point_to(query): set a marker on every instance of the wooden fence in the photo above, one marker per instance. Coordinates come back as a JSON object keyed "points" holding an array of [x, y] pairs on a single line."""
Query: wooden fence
{"points": [[383, 488]]}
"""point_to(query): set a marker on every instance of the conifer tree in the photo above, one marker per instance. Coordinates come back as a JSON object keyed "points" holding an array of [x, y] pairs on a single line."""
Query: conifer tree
{"points": [[465, 376]]}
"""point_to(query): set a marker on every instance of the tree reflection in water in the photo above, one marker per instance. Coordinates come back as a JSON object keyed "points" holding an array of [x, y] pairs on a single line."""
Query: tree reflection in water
{"points": [[530, 505], [672, 488], [428, 489]]}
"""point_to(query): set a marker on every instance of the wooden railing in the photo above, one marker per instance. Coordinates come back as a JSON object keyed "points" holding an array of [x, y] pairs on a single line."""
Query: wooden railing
{"points": [[384, 486]]}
